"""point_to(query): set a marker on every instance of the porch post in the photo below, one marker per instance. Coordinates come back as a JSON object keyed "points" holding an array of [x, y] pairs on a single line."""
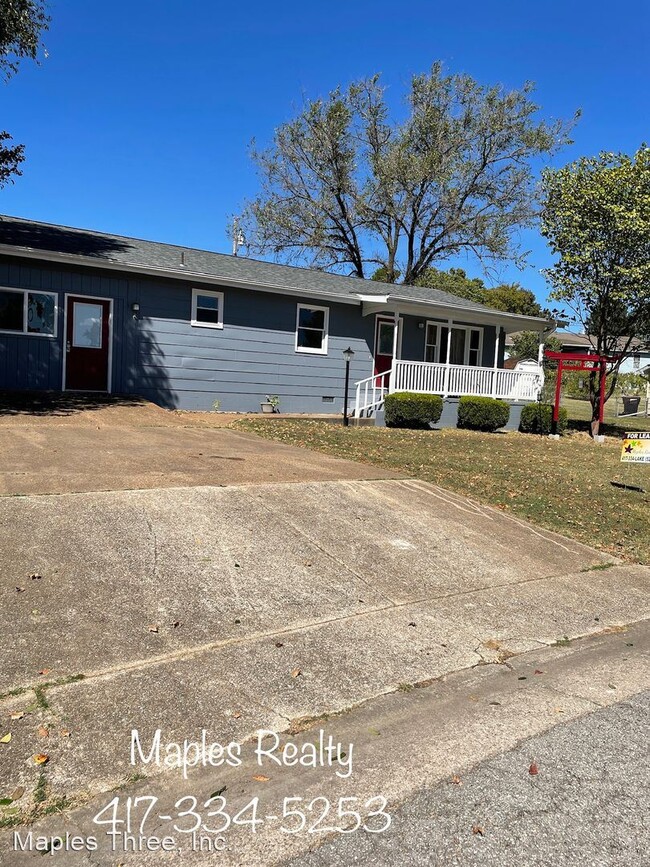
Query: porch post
{"points": [[447, 360], [497, 346], [540, 351], [391, 378]]}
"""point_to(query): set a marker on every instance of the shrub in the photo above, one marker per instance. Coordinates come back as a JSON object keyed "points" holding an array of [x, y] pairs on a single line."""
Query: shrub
{"points": [[408, 409], [537, 418], [482, 413]]}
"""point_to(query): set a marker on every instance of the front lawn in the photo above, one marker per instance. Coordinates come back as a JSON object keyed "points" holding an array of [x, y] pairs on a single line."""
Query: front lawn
{"points": [[564, 486], [579, 415]]}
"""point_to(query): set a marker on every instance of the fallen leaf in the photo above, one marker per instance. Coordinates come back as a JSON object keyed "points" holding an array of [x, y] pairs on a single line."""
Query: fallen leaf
{"points": [[476, 829], [533, 770], [5, 739], [41, 759], [260, 778], [4, 802], [296, 672], [411, 623], [279, 644], [35, 576], [45, 671], [237, 565], [20, 589], [218, 792], [374, 732], [456, 780], [237, 714], [176, 624], [152, 628], [17, 714], [307, 562], [17, 793], [538, 671], [43, 732], [65, 733]]}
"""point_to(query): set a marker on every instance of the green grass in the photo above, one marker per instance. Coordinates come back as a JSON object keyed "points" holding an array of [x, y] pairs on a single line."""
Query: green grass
{"points": [[562, 485], [579, 414]]}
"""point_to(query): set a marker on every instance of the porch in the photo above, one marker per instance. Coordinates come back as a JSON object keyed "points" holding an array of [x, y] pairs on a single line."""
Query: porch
{"points": [[447, 380]]}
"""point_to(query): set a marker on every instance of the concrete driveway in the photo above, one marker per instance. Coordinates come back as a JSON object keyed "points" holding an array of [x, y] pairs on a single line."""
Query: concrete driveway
{"points": [[233, 607], [73, 446]]}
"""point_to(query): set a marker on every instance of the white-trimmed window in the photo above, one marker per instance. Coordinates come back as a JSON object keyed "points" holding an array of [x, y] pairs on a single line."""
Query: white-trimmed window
{"points": [[466, 344], [207, 308], [28, 312], [311, 329]]}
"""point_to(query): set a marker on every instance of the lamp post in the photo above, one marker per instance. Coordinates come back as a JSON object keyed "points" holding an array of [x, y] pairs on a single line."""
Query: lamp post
{"points": [[348, 354]]}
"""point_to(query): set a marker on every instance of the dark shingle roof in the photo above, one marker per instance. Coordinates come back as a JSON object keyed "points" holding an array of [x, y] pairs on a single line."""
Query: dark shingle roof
{"points": [[99, 246]]}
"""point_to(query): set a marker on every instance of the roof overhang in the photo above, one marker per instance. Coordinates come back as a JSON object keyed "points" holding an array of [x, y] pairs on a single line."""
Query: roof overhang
{"points": [[457, 313]]}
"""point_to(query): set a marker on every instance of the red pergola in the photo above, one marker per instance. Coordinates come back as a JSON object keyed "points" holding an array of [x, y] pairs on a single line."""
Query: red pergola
{"points": [[579, 361]]}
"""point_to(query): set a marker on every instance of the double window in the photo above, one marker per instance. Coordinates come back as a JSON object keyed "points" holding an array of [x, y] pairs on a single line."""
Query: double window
{"points": [[311, 329], [466, 344], [24, 312], [207, 308]]}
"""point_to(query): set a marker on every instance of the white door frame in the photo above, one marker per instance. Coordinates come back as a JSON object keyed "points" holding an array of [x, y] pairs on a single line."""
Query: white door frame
{"points": [[67, 295]]}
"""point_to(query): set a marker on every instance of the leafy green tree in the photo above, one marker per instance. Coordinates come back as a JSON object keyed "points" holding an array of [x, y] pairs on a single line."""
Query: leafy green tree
{"points": [[455, 281], [21, 25], [513, 298], [525, 344], [596, 218], [344, 187]]}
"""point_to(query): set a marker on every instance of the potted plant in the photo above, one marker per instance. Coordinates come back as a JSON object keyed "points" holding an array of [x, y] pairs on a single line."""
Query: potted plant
{"points": [[271, 403]]}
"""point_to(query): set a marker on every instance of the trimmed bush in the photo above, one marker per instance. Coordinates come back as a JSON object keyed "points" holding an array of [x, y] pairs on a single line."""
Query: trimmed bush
{"points": [[537, 418], [409, 409], [482, 413]]}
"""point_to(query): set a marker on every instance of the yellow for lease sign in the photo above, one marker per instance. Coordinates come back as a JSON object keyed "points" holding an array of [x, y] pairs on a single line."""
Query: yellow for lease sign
{"points": [[636, 448]]}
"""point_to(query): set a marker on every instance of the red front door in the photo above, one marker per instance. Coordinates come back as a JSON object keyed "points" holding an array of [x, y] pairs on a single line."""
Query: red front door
{"points": [[88, 336], [384, 343]]}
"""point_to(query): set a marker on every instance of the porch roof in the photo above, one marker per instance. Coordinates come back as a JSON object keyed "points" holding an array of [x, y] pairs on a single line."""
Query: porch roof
{"points": [[86, 247]]}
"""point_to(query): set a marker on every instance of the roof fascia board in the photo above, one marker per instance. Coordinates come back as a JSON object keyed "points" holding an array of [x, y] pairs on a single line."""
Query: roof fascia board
{"points": [[508, 321], [171, 273]]}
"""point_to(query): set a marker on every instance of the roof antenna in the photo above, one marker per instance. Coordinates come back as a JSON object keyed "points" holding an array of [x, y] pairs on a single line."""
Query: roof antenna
{"points": [[238, 239]]}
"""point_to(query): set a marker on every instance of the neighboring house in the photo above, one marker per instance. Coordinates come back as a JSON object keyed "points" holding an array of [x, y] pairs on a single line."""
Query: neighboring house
{"points": [[571, 342], [86, 311]]}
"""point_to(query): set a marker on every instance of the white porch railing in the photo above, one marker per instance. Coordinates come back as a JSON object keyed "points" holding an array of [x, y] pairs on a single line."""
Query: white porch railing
{"points": [[454, 380]]}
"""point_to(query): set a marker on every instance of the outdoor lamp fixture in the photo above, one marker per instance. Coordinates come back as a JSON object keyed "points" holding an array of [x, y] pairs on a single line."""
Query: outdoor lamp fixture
{"points": [[348, 354], [135, 309]]}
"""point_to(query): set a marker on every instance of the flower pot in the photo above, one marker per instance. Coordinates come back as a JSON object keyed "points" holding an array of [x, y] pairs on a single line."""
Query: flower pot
{"points": [[630, 404], [267, 407]]}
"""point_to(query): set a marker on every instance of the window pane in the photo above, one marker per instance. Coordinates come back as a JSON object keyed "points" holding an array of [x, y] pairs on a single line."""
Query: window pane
{"points": [[205, 315], [473, 359], [11, 310], [207, 301], [309, 338], [443, 345], [457, 346], [474, 339], [40, 313], [430, 353], [385, 341], [308, 318], [87, 325]]}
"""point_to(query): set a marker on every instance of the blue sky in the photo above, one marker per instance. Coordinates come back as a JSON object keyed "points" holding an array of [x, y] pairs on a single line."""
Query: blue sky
{"points": [[138, 122]]}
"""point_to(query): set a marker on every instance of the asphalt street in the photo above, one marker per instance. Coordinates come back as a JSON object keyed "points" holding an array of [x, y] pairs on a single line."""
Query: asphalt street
{"points": [[586, 807]]}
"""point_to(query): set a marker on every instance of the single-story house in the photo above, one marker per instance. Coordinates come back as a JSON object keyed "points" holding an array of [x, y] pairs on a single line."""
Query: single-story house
{"points": [[86, 311]]}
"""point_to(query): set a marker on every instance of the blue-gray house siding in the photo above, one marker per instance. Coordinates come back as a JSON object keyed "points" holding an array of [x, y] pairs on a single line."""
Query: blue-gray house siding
{"points": [[158, 354]]}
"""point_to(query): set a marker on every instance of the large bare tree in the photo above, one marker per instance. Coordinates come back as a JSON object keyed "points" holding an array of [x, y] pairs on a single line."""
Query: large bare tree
{"points": [[345, 188]]}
